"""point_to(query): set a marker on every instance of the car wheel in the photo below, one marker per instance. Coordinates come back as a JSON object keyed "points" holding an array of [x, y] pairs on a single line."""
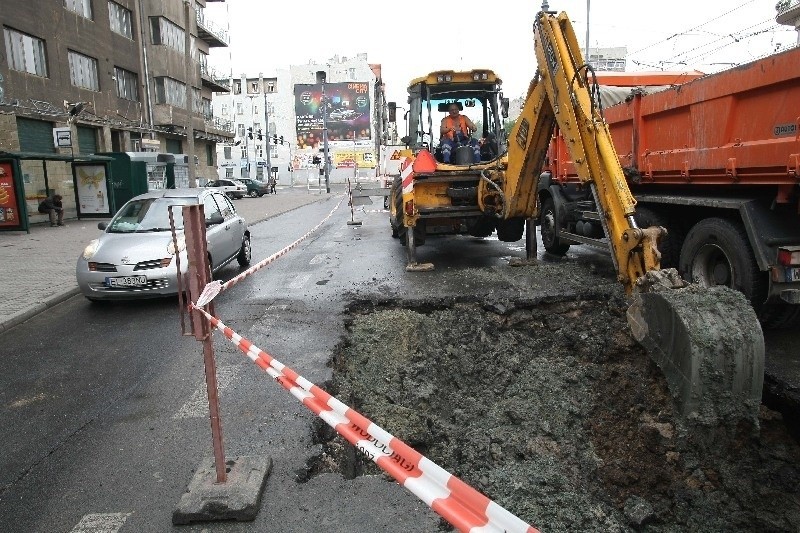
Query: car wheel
{"points": [[245, 254], [253, 194]]}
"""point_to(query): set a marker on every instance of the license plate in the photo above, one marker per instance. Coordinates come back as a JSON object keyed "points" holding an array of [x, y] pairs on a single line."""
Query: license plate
{"points": [[127, 281]]}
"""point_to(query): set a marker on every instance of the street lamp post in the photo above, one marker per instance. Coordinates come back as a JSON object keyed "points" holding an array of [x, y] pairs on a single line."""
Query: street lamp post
{"points": [[267, 132], [321, 75]]}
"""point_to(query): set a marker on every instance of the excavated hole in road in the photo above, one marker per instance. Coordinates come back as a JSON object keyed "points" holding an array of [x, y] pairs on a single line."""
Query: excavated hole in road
{"points": [[554, 412]]}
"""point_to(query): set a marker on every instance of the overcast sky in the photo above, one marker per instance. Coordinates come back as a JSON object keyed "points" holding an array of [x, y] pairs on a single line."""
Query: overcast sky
{"points": [[420, 36]]}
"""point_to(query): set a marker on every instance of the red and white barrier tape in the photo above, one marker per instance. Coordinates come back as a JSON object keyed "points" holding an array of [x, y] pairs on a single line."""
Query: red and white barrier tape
{"points": [[461, 505], [211, 290]]}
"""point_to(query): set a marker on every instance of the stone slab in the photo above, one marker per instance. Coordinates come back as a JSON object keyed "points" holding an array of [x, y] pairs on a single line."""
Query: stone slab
{"points": [[239, 498]]}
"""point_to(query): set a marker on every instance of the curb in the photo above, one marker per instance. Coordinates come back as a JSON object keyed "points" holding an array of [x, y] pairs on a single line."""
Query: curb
{"points": [[19, 318]]}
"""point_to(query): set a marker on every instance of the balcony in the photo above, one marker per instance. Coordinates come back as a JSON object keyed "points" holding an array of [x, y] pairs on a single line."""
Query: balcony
{"points": [[209, 32], [788, 12], [214, 80]]}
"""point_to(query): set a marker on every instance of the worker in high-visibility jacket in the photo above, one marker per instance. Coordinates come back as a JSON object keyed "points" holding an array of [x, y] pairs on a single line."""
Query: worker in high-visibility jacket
{"points": [[457, 130]]}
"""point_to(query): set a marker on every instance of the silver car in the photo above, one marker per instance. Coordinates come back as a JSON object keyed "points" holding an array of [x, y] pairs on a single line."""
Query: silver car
{"points": [[135, 256]]}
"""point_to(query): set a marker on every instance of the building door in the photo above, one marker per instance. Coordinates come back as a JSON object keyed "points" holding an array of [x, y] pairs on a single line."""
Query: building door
{"points": [[35, 135], [87, 140]]}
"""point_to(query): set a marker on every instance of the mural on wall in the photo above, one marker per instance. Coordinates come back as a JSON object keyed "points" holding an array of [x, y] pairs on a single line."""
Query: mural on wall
{"points": [[348, 112]]}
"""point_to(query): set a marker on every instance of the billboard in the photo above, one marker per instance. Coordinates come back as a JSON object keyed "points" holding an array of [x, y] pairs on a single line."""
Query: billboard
{"points": [[348, 112]]}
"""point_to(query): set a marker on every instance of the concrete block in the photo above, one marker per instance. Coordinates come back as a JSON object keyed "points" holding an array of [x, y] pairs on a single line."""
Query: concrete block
{"points": [[239, 498]]}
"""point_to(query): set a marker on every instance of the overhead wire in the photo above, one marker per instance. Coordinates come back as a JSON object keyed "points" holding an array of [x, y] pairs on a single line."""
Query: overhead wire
{"points": [[692, 29]]}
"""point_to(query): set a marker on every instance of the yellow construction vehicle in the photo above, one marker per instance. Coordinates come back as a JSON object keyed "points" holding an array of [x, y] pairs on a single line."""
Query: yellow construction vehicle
{"points": [[708, 342]]}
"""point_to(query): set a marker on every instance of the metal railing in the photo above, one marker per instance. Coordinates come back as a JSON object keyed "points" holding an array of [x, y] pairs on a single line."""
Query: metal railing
{"points": [[219, 124], [211, 74], [211, 28]]}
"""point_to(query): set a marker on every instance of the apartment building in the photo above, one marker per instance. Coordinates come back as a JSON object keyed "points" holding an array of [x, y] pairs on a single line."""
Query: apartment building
{"points": [[123, 75], [276, 105]]}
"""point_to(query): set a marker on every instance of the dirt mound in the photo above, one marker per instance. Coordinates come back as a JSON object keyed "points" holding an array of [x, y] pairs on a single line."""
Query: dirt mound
{"points": [[554, 412]]}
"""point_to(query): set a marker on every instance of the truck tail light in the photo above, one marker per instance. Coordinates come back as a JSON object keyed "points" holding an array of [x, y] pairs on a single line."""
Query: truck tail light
{"points": [[788, 257], [410, 208]]}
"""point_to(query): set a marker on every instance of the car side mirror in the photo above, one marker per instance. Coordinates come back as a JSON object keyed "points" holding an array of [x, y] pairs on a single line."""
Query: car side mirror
{"points": [[215, 219], [102, 225]]}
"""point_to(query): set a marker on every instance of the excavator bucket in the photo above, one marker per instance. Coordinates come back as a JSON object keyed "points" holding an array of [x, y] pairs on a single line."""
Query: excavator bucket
{"points": [[709, 345]]}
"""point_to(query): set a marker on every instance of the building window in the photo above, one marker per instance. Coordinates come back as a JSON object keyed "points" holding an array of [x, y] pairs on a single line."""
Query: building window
{"points": [[244, 152], [207, 113], [270, 86], [163, 31], [259, 151], [197, 101], [81, 7], [239, 108], [351, 72], [273, 151], [227, 152], [209, 155], [255, 109], [240, 130], [25, 53], [253, 87], [228, 172], [237, 87], [223, 109], [120, 20], [83, 71], [256, 126], [170, 91], [127, 84]]}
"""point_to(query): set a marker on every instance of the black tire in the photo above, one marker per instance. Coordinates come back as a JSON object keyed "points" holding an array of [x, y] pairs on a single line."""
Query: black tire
{"points": [[670, 246], [548, 229], [510, 230], [396, 218], [245, 253], [253, 194], [780, 316], [716, 251], [482, 227]]}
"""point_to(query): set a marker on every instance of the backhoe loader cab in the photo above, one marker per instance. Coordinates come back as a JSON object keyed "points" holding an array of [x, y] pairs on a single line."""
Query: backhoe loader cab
{"points": [[477, 94]]}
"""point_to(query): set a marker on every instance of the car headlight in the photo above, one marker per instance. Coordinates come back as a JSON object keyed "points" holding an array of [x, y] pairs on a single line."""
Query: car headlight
{"points": [[181, 245], [91, 249]]}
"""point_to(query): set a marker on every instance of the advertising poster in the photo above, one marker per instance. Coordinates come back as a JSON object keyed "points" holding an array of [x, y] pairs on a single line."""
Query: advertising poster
{"points": [[348, 112], [348, 159], [9, 212], [92, 189]]}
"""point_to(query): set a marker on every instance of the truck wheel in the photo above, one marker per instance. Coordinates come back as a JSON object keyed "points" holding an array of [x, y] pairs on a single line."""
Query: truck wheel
{"points": [[396, 218], [717, 252], [670, 246], [549, 229], [780, 316], [481, 227], [510, 230]]}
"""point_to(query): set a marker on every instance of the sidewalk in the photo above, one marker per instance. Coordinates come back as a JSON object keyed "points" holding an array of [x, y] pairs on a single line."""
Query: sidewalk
{"points": [[37, 270]]}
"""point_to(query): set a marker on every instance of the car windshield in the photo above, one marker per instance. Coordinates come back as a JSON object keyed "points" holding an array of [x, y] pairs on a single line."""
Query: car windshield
{"points": [[148, 215]]}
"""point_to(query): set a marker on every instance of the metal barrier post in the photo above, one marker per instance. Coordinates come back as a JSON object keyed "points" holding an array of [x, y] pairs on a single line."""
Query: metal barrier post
{"points": [[198, 277]]}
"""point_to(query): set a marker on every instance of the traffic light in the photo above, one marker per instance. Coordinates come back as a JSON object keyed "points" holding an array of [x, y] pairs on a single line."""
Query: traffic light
{"points": [[316, 160], [275, 138], [260, 137], [249, 133], [281, 139]]}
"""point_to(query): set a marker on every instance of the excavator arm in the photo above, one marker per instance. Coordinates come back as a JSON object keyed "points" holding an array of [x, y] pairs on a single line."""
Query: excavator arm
{"points": [[708, 342]]}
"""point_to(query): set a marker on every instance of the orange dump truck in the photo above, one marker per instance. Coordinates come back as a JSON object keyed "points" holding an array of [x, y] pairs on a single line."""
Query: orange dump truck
{"points": [[714, 159]]}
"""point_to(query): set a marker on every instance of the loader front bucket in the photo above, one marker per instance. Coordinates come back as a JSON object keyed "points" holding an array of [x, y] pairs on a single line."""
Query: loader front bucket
{"points": [[709, 345]]}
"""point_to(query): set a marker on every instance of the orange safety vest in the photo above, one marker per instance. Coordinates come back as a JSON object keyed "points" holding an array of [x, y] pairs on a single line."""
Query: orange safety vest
{"points": [[462, 125]]}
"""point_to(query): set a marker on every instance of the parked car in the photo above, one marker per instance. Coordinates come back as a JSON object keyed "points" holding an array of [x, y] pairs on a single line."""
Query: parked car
{"points": [[232, 188], [255, 188], [135, 255]]}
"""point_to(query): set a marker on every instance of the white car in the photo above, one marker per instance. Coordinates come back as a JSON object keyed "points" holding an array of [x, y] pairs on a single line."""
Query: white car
{"points": [[231, 188]]}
